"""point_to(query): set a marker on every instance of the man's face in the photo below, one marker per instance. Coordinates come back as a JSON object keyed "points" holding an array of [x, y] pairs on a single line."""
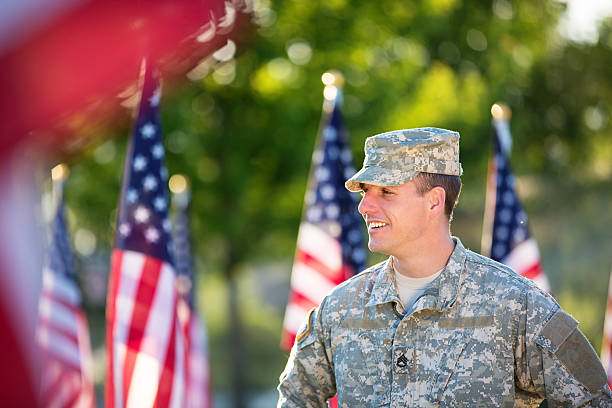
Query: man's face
{"points": [[395, 216]]}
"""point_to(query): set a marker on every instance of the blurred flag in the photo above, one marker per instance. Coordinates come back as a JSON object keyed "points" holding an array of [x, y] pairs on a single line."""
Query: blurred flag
{"points": [[506, 236], [330, 243], [199, 390], [145, 343], [606, 344], [67, 367]]}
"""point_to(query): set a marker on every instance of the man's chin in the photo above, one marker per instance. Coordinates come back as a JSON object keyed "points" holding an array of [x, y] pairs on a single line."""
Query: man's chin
{"points": [[378, 248]]}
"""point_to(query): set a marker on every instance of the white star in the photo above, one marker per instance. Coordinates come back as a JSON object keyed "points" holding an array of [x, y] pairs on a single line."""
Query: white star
{"points": [[508, 198], [498, 251], [502, 233], [322, 174], [329, 133], [157, 151], [505, 215], [164, 172], [332, 211], [147, 130], [348, 173], [167, 225], [141, 214], [140, 162], [333, 152], [346, 156], [160, 203], [149, 183], [359, 255], [155, 98], [520, 234], [125, 229], [131, 196], [152, 234], [314, 214], [327, 192], [354, 236]]}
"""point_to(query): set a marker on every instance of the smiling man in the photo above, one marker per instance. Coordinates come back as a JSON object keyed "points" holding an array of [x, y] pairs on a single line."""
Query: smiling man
{"points": [[435, 324]]}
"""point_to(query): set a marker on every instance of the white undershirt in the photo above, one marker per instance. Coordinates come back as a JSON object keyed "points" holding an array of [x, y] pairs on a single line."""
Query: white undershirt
{"points": [[409, 288]]}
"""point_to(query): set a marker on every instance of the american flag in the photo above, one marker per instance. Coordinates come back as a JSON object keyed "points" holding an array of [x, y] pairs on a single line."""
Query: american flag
{"points": [[145, 344], [330, 243], [506, 237], [199, 390], [67, 369]]}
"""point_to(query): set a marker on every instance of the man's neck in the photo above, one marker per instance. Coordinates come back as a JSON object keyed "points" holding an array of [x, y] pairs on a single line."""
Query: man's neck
{"points": [[426, 259]]}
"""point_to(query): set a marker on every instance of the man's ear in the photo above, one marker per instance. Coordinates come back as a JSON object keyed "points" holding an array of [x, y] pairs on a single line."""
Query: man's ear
{"points": [[435, 200]]}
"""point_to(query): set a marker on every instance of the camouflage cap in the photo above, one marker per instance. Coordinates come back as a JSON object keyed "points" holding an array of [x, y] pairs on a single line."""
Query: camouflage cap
{"points": [[394, 158]]}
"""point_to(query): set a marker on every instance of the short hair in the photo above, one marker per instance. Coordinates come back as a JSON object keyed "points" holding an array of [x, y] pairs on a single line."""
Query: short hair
{"points": [[451, 185]]}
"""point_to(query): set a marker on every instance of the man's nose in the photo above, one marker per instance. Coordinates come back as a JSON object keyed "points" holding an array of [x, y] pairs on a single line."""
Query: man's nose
{"points": [[366, 204]]}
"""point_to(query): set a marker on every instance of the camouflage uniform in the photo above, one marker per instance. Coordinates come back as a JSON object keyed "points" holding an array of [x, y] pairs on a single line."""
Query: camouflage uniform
{"points": [[480, 335]]}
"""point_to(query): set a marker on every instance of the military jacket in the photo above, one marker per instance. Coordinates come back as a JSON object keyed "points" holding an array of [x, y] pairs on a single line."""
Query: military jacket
{"points": [[479, 336]]}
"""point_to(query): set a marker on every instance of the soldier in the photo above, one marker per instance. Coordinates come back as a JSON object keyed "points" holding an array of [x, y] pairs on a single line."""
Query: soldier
{"points": [[435, 324]]}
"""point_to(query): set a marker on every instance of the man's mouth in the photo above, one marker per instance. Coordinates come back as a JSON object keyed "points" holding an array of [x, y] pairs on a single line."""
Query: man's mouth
{"points": [[374, 225]]}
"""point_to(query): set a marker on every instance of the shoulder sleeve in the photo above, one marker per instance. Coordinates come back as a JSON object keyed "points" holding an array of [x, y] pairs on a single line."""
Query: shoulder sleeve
{"points": [[308, 379], [557, 362]]}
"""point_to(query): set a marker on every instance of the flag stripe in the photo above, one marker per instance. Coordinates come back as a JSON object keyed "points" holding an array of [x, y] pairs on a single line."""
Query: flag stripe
{"points": [[110, 391], [135, 359]]}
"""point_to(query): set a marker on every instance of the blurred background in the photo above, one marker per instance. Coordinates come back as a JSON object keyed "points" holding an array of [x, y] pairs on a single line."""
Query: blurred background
{"points": [[244, 129]]}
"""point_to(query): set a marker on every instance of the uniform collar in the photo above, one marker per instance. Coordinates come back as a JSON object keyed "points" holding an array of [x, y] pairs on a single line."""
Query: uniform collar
{"points": [[445, 287]]}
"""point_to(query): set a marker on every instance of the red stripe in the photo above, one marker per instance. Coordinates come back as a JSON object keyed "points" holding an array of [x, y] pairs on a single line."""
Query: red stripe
{"points": [[71, 336], [533, 271], [187, 338], [312, 261], [145, 294], [64, 382], [53, 296], [166, 379], [113, 285]]}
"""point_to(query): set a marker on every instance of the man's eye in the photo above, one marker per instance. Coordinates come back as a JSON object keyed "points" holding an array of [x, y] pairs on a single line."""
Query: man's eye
{"points": [[387, 192]]}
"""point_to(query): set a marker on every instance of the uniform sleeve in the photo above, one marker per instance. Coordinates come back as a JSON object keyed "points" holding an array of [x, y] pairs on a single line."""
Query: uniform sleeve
{"points": [[308, 379], [554, 360]]}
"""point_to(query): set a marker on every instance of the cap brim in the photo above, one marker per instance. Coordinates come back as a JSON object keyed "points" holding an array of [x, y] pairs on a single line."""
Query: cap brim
{"points": [[379, 176]]}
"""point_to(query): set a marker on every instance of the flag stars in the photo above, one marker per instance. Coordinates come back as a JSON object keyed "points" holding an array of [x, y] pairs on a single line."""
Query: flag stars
{"points": [[160, 203], [125, 229], [152, 235], [155, 98], [147, 130], [141, 214], [140, 163], [158, 151], [346, 156], [327, 192], [330, 134], [332, 211], [166, 225], [149, 183], [322, 174], [131, 196]]}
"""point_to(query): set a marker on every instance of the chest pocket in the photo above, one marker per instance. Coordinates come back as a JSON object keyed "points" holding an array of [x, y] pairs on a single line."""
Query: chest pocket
{"points": [[360, 368], [465, 360]]}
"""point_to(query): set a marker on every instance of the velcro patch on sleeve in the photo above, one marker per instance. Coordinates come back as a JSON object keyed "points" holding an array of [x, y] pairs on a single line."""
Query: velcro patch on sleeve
{"points": [[561, 337], [556, 331], [301, 338]]}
